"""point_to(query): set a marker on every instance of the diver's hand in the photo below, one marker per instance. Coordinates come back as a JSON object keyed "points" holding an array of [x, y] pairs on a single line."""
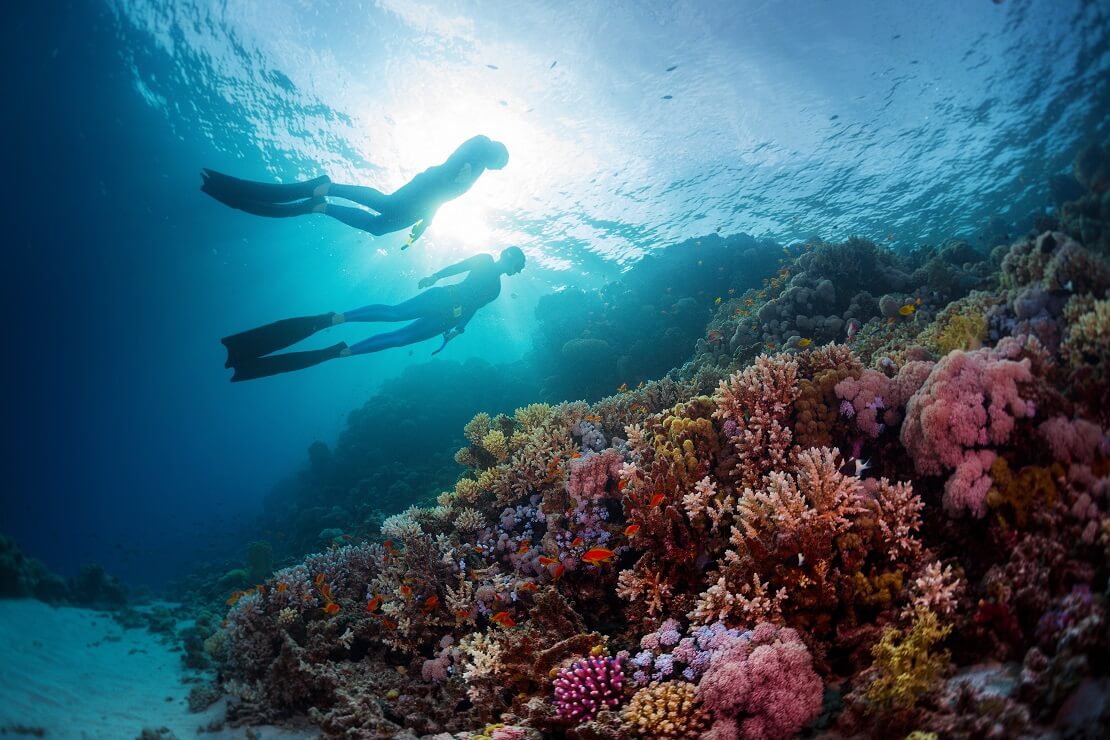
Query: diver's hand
{"points": [[464, 173], [427, 282]]}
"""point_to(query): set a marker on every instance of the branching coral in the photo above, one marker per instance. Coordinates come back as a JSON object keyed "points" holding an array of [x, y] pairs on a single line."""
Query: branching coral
{"points": [[755, 406]]}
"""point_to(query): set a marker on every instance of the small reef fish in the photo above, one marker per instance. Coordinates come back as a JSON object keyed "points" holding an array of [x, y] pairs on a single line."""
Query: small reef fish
{"points": [[544, 560], [503, 619], [281, 587], [597, 555], [717, 301], [558, 572], [528, 586], [462, 613], [332, 608], [373, 604], [907, 310], [406, 592], [656, 499], [524, 547], [854, 326], [319, 579], [862, 465], [622, 388], [804, 342], [231, 601], [631, 530], [431, 602], [714, 337], [621, 485], [577, 542]]}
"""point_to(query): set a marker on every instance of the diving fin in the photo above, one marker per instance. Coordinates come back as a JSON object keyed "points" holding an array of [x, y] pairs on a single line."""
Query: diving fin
{"points": [[254, 343], [261, 367], [232, 190]]}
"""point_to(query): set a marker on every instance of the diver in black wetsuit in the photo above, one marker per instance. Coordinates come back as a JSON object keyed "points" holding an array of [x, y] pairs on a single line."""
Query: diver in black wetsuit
{"points": [[445, 310], [415, 204]]}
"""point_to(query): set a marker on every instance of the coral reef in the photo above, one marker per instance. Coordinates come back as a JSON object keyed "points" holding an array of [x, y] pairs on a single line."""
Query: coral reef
{"points": [[874, 502]]}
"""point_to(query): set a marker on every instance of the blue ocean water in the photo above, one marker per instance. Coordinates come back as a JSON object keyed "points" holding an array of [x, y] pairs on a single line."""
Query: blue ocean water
{"points": [[631, 127]]}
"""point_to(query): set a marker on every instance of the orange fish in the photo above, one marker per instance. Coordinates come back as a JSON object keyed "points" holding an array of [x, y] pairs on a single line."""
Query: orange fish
{"points": [[282, 586], [431, 602], [234, 598], [544, 560], [559, 572], [406, 592], [631, 530], [319, 579], [388, 544], [575, 455], [524, 547], [597, 555], [503, 619], [621, 485], [528, 586], [656, 499], [577, 542], [332, 608], [373, 604], [462, 613], [326, 591], [389, 624]]}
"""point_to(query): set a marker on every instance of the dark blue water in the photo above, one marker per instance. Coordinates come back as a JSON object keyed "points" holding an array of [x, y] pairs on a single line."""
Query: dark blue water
{"points": [[125, 444]]}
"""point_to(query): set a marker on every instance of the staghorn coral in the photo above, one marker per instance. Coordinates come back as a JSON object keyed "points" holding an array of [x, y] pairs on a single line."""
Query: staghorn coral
{"points": [[757, 401], [762, 687], [665, 710]]}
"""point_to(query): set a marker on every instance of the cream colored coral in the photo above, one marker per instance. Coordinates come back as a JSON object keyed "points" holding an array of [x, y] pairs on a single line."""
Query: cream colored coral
{"points": [[468, 490], [400, 527], [469, 520], [466, 458], [287, 616], [533, 415], [750, 604], [477, 427], [665, 710], [495, 443]]}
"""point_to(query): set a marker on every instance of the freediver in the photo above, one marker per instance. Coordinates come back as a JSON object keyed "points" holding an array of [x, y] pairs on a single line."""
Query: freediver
{"points": [[444, 310], [414, 204]]}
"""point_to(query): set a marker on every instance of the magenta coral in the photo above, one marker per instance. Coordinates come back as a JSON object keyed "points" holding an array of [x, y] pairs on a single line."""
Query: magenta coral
{"points": [[761, 688], [970, 401], [585, 688], [589, 475]]}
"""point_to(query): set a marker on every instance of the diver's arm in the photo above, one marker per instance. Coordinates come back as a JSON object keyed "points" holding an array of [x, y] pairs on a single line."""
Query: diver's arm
{"points": [[468, 264]]}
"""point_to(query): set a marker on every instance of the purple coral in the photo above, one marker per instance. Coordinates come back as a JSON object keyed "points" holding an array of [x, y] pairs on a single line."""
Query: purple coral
{"points": [[585, 688]]}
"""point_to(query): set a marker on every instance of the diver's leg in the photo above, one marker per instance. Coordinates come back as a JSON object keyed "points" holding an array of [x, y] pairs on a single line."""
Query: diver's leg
{"points": [[372, 223], [261, 367], [430, 301], [232, 190], [253, 343], [417, 331], [364, 196], [277, 210]]}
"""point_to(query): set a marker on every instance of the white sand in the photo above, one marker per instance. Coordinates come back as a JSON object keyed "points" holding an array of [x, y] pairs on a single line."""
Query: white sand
{"points": [[78, 674]]}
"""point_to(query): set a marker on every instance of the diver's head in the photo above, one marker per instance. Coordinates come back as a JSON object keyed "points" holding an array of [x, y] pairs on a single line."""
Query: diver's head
{"points": [[497, 156], [512, 260]]}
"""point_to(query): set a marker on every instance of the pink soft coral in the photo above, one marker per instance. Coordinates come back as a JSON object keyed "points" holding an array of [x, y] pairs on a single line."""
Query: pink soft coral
{"points": [[1075, 440], [970, 401], [590, 475], [761, 688]]}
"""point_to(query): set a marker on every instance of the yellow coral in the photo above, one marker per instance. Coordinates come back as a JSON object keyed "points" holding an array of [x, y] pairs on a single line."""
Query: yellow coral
{"points": [[533, 415], [878, 590], [665, 710], [466, 457], [477, 427], [468, 490], [1031, 486], [1087, 340], [495, 443], [444, 499], [963, 332], [905, 667], [490, 479]]}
